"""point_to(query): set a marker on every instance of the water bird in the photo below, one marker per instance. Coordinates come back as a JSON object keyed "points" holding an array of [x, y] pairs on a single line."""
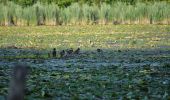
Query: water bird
{"points": [[119, 51], [70, 51], [54, 53], [77, 51], [99, 50], [62, 53]]}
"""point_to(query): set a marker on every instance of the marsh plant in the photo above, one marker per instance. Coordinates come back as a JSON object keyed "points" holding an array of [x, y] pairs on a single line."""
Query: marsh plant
{"points": [[52, 14]]}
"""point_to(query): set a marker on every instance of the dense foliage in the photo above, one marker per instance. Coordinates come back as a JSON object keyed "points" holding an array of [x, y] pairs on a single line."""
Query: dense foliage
{"points": [[117, 13], [68, 2]]}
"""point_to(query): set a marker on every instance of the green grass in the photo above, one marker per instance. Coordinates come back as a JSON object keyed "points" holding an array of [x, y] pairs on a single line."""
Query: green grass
{"points": [[101, 36]]}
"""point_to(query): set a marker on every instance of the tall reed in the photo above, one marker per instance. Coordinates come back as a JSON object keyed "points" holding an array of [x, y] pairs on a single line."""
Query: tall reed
{"points": [[3, 14], [116, 13]]}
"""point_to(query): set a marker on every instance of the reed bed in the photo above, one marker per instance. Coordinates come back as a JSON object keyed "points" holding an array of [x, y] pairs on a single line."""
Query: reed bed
{"points": [[83, 14]]}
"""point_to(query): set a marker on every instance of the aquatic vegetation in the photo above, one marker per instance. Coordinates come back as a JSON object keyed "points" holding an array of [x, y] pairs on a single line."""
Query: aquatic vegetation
{"points": [[114, 61]]}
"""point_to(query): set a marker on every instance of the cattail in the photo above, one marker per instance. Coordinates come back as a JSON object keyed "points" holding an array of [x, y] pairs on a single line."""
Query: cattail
{"points": [[116, 13]]}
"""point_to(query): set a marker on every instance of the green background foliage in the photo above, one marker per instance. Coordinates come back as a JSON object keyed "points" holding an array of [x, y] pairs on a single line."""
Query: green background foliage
{"points": [[71, 12], [68, 2]]}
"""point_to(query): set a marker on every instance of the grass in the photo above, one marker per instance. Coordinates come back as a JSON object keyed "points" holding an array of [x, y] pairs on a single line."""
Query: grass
{"points": [[134, 63], [101, 36], [116, 13]]}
